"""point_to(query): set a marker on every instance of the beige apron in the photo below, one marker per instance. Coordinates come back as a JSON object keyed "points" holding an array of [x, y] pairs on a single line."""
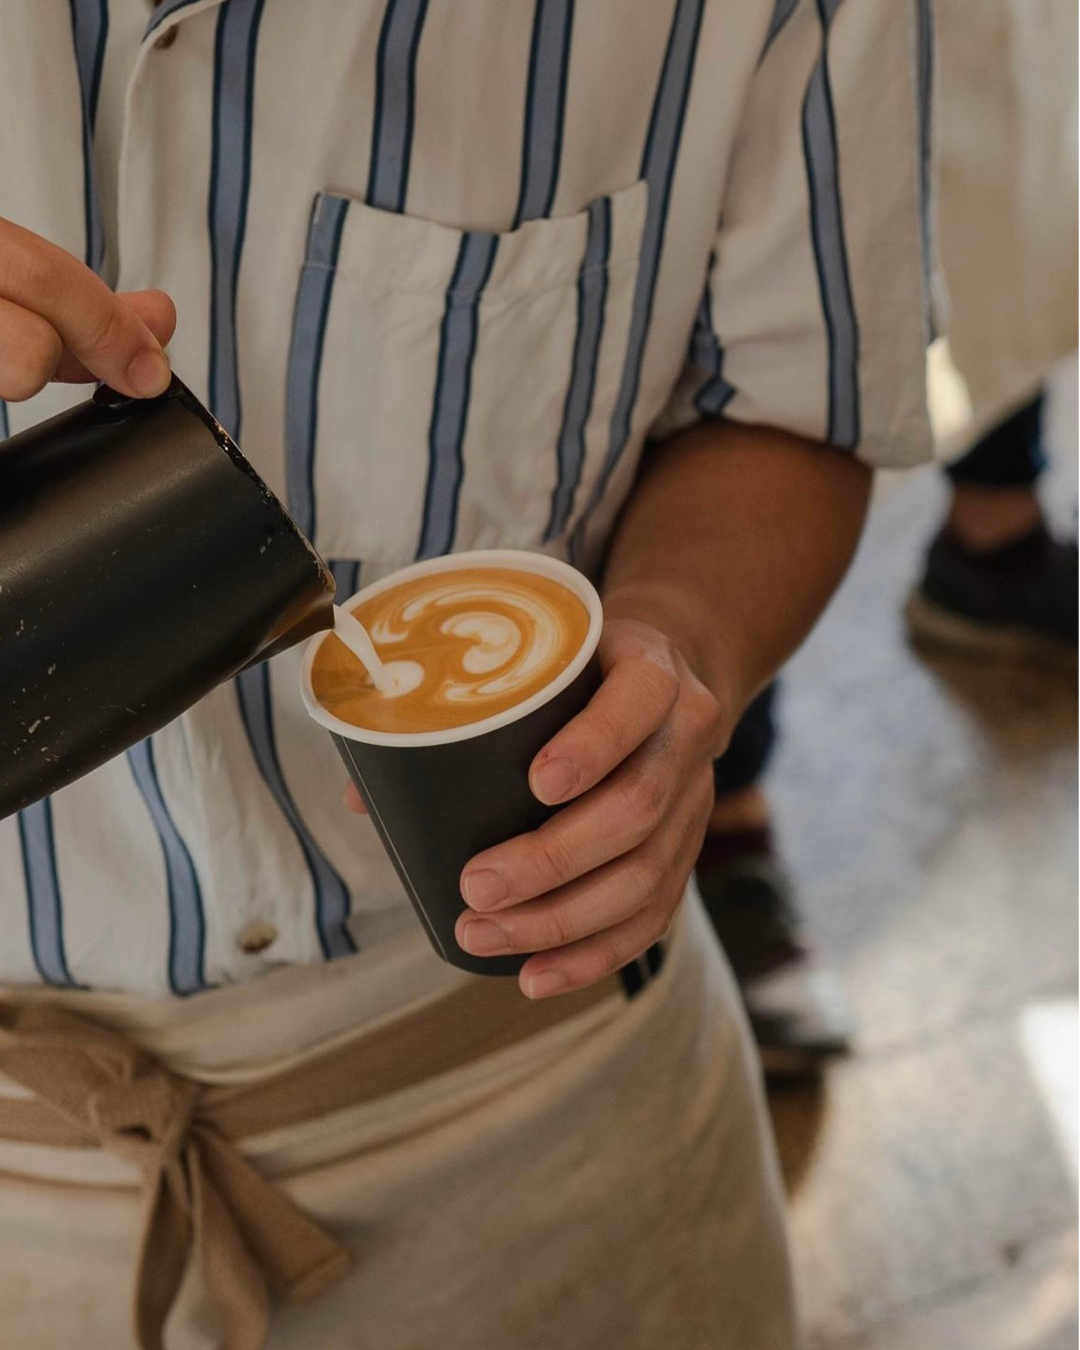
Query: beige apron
{"points": [[603, 1183]]}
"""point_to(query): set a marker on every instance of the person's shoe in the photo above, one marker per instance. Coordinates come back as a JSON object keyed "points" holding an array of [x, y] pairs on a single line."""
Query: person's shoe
{"points": [[796, 1007], [1017, 602]]}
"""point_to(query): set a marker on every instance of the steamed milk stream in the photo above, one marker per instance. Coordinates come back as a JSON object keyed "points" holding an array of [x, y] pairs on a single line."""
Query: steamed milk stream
{"points": [[355, 636], [455, 647]]}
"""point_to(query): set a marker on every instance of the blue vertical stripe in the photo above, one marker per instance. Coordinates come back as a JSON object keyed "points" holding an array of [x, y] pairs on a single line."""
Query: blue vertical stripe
{"points": [[331, 894], [44, 907], [395, 103], [346, 574], [782, 11], [5, 428], [457, 347], [592, 297], [187, 924], [830, 251], [305, 356], [716, 393], [703, 340], [230, 179], [658, 169], [90, 29], [545, 106], [925, 21], [165, 11]]}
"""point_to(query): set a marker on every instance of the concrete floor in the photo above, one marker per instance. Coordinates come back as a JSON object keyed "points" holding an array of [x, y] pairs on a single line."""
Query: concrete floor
{"points": [[929, 808]]}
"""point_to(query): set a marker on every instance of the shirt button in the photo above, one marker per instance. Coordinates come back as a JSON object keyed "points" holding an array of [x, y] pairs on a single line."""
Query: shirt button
{"points": [[166, 40], [257, 936]]}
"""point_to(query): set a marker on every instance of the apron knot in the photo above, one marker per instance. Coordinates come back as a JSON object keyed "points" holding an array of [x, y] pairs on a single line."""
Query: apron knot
{"points": [[145, 1119], [202, 1196]]}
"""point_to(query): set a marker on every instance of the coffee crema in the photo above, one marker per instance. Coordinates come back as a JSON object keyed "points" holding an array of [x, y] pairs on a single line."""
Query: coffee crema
{"points": [[460, 645]]}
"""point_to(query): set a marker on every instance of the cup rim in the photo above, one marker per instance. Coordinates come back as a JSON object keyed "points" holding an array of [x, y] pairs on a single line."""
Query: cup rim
{"points": [[520, 559]]}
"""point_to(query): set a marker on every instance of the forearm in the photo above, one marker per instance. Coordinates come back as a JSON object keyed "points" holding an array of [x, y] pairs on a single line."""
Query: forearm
{"points": [[731, 544]]}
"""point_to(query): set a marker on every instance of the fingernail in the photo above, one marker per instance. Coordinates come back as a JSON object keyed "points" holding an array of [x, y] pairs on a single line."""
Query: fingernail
{"points": [[149, 373], [545, 983], [555, 781], [480, 937], [483, 888]]}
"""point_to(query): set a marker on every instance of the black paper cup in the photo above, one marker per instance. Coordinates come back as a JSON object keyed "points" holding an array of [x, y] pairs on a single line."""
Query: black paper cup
{"points": [[438, 798], [142, 562]]}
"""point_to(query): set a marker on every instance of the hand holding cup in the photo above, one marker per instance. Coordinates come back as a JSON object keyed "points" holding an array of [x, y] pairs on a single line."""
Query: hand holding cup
{"points": [[600, 881]]}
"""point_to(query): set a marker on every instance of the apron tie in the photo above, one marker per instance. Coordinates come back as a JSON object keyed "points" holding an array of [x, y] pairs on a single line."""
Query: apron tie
{"points": [[202, 1198]]}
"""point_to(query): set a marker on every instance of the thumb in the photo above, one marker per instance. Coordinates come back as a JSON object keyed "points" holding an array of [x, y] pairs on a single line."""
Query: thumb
{"points": [[156, 311]]}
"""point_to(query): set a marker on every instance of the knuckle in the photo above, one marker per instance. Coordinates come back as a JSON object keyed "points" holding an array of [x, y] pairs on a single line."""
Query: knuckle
{"points": [[30, 359], [165, 300], [661, 925], [559, 929], [605, 958], [20, 383], [638, 831], [557, 863], [645, 797], [29, 272], [648, 870], [660, 680], [709, 706], [610, 731], [707, 714], [106, 331]]}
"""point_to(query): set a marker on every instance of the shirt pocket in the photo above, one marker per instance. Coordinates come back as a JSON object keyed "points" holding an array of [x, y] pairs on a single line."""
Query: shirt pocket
{"points": [[454, 389]]}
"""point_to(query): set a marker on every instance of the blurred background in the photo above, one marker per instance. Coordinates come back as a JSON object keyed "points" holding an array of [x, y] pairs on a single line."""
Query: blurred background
{"points": [[927, 803], [928, 807]]}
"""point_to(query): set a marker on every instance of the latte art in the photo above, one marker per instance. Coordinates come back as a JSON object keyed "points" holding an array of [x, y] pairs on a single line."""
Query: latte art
{"points": [[461, 646]]}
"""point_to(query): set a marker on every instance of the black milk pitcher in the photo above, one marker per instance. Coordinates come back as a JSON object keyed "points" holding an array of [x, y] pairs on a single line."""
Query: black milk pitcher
{"points": [[142, 562]]}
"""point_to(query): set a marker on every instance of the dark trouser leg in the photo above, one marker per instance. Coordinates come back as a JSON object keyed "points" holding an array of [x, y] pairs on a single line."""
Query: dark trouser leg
{"points": [[743, 763], [996, 582], [797, 1014], [1009, 456]]}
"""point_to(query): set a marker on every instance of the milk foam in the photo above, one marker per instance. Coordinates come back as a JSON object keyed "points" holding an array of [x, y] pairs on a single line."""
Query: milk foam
{"points": [[390, 678], [452, 648], [355, 636], [517, 645]]}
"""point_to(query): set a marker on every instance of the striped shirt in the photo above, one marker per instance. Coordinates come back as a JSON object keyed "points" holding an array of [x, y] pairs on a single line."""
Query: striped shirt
{"points": [[441, 267]]}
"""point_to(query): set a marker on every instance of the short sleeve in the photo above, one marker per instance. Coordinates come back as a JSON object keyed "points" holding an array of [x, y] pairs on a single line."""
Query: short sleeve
{"points": [[816, 313]]}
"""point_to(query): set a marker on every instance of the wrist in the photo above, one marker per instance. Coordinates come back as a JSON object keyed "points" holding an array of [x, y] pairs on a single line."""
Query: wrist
{"points": [[693, 628]]}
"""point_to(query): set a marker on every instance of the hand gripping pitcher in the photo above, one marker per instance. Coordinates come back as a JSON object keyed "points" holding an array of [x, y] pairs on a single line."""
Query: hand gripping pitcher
{"points": [[142, 562]]}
